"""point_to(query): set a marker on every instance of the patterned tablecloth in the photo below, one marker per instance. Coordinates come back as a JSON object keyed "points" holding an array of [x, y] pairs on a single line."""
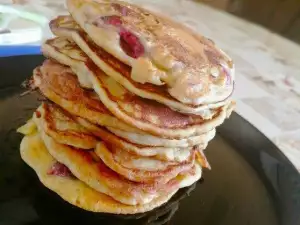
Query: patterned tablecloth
{"points": [[267, 65]]}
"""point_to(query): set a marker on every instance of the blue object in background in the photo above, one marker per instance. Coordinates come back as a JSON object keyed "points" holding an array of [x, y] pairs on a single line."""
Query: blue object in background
{"points": [[15, 50]]}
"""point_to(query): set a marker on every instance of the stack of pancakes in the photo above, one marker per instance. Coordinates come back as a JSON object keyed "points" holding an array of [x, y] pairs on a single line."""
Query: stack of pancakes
{"points": [[133, 98]]}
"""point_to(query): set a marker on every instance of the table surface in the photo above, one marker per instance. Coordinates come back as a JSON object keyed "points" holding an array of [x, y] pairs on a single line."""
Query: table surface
{"points": [[267, 65]]}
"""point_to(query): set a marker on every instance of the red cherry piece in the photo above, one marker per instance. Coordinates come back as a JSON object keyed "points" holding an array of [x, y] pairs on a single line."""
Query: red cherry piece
{"points": [[131, 44], [112, 20], [59, 169], [38, 114]]}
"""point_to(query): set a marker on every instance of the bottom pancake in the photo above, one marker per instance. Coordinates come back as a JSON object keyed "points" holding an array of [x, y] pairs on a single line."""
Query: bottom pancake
{"points": [[98, 176], [92, 171], [72, 190]]}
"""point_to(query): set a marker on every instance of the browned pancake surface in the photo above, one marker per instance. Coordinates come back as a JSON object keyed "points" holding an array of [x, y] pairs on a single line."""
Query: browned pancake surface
{"points": [[61, 80], [129, 165], [60, 85], [58, 124], [149, 115]]}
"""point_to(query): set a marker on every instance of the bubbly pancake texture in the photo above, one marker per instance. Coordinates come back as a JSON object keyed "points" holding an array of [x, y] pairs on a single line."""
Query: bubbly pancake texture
{"points": [[160, 51], [74, 191], [60, 49]]}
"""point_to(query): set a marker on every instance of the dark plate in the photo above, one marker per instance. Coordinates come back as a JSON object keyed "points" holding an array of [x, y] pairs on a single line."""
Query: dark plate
{"points": [[251, 181]]}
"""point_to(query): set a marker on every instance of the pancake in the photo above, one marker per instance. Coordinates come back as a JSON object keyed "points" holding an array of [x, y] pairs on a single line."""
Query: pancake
{"points": [[74, 191], [141, 169], [160, 51], [148, 115], [146, 139], [132, 99], [65, 26], [99, 177], [59, 84], [28, 128], [67, 53], [177, 154], [202, 160], [77, 132], [60, 126]]}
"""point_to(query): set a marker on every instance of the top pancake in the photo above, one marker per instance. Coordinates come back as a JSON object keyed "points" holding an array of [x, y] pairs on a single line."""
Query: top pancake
{"points": [[68, 53], [160, 51], [76, 192]]}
